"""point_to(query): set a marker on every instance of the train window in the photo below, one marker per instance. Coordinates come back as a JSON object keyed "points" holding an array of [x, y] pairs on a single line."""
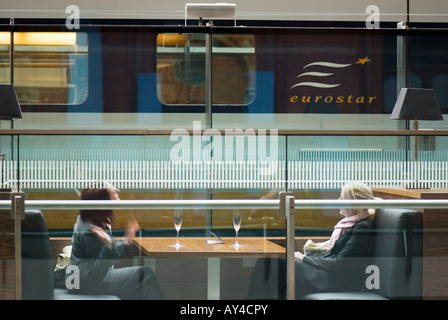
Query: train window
{"points": [[181, 69], [4, 57], [49, 67]]}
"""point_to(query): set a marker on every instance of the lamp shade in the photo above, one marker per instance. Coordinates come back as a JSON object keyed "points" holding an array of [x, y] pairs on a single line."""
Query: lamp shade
{"points": [[9, 104], [416, 104]]}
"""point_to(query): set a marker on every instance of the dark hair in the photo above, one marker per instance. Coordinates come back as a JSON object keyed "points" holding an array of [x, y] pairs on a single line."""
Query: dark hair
{"points": [[99, 217]]}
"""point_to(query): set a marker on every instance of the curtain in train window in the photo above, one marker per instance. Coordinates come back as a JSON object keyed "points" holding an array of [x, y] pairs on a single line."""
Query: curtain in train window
{"points": [[181, 69], [49, 67]]}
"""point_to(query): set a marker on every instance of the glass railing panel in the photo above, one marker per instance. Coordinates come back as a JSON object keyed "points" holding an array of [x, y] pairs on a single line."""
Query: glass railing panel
{"points": [[147, 167], [252, 167], [9, 162], [61, 167], [419, 262], [156, 168], [321, 165]]}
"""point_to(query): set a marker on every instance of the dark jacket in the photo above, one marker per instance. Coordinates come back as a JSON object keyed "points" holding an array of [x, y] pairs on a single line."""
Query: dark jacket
{"points": [[91, 256], [344, 268]]}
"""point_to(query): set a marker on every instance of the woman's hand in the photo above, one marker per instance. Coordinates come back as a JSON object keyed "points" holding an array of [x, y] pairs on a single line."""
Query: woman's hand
{"points": [[102, 235], [133, 227], [298, 255]]}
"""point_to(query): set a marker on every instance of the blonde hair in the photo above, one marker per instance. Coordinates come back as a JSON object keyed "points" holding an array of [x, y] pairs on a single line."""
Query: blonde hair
{"points": [[358, 190]]}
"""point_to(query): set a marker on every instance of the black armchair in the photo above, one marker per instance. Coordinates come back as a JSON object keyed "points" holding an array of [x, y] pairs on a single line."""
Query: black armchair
{"points": [[37, 263], [398, 258]]}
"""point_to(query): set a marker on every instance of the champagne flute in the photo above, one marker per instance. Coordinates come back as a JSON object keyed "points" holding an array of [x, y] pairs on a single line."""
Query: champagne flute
{"points": [[236, 226], [177, 226]]}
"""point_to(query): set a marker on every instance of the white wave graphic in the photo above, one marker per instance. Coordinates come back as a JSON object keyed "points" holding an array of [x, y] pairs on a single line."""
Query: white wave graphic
{"points": [[316, 85], [315, 74], [320, 74], [327, 64]]}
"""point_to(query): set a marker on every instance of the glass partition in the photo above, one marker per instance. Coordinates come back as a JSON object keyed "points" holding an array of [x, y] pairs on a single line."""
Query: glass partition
{"points": [[164, 168], [156, 167], [9, 162], [299, 110]]}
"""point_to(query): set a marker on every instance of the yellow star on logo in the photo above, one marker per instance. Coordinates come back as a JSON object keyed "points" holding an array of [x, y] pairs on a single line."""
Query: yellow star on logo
{"points": [[363, 61]]}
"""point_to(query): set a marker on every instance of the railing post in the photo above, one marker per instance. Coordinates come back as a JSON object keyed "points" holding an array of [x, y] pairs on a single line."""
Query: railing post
{"points": [[18, 214], [282, 208], [290, 247], [286, 211]]}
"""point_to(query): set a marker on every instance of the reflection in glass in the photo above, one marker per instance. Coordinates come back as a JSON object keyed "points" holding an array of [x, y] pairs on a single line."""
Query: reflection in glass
{"points": [[49, 67], [5, 68], [181, 68]]}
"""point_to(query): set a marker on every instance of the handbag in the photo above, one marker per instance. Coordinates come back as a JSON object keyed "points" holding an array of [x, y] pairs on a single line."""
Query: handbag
{"points": [[61, 265], [318, 249]]}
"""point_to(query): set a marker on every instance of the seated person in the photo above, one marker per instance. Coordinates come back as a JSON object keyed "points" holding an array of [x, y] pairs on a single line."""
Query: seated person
{"points": [[342, 268], [94, 251]]}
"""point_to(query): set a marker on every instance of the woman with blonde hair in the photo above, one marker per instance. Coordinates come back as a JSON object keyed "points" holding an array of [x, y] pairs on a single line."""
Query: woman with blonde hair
{"points": [[358, 190], [351, 191], [342, 265]]}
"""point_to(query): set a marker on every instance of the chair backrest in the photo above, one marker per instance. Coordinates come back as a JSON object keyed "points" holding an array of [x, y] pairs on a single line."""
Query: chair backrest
{"points": [[398, 253], [37, 265]]}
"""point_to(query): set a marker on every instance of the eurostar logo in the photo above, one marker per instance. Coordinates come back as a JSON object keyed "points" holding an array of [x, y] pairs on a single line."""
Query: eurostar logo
{"points": [[327, 75], [330, 66]]}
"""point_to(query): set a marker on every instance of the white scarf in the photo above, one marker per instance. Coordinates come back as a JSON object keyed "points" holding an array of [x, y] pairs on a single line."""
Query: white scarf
{"points": [[345, 223]]}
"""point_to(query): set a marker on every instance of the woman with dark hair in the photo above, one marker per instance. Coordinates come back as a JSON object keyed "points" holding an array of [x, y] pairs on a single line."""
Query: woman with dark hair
{"points": [[94, 250]]}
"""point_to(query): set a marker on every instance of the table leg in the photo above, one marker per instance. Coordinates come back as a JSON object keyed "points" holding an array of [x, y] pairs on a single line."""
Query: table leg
{"points": [[213, 278]]}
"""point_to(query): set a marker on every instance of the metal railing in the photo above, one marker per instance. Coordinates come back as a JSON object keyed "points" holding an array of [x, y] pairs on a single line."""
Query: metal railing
{"points": [[287, 205], [224, 204]]}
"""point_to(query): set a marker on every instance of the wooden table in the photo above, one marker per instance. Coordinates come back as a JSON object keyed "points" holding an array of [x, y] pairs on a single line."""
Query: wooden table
{"points": [[197, 247], [435, 239]]}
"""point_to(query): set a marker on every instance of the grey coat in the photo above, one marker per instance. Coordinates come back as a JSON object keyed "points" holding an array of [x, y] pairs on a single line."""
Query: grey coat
{"points": [[97, 274], [91, 256]]}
